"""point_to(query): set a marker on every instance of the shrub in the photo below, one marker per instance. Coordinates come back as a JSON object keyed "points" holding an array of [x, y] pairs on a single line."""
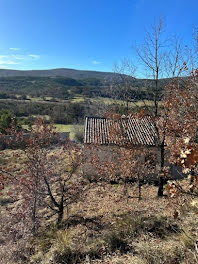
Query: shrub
{"points": [[114, 241]]}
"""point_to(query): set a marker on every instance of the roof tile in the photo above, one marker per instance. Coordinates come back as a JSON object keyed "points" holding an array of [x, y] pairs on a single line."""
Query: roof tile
{"points": [[128, 130]]}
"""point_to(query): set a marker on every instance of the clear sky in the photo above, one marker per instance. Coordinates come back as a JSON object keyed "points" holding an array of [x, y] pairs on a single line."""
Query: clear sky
{"points": [[84, 34]]}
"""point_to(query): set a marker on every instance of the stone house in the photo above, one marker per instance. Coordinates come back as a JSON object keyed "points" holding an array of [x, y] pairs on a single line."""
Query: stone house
{"points": [[104, 135]]}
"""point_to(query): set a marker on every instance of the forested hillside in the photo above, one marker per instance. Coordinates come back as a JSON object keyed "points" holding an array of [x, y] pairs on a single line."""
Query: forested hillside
{"points": [[65, 84], [69, 73]]}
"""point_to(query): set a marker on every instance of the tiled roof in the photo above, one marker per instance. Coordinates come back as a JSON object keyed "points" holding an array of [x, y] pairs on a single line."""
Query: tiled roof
{"points": [[133, 131]]}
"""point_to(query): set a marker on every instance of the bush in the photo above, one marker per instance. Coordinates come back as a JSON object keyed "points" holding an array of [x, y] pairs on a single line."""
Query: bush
{"points": [[114, 241]]}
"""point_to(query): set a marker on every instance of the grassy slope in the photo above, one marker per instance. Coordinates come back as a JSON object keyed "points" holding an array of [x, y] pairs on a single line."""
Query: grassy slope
{"points": [[105, 225], [111, 229]]}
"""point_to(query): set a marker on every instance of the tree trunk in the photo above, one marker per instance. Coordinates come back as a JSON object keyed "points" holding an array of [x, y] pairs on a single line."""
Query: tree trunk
{"points": [[34, 209], [34, 228], [60, 213], [125, 190], [139, 189], [161, 186], [127, 106], [161, 178]]}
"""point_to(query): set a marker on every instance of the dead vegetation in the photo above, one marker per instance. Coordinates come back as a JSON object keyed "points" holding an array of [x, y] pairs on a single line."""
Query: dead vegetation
{"points": [[110, 230], [107, 227]]}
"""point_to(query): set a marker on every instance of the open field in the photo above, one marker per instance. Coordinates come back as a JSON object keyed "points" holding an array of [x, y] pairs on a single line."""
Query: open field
{"points": [[110, 101], [39, 98], [64, 128], [104, 100], [46, 117], [80, 99], [68, 128]]}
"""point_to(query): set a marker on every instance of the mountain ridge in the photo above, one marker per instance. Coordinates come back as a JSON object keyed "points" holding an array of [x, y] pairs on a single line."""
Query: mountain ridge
{"points": [[61, 72]]}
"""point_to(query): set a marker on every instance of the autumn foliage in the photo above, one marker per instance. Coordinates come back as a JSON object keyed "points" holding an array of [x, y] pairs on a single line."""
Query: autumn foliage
{"points": [[45, 184]]}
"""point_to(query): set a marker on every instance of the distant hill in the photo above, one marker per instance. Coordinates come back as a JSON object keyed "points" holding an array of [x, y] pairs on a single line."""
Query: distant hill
{"points": [[62, 72], [68, 83]]}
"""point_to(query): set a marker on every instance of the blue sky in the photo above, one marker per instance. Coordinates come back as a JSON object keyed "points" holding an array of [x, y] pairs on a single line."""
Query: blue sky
{"points": [[84, 34]]}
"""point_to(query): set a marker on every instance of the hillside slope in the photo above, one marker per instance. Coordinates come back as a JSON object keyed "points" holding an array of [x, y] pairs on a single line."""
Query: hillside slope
{"points": [[62, 72], [67, 83]]}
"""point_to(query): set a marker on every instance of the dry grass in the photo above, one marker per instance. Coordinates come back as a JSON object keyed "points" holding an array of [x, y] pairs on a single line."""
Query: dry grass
{"points": [[107, 228]]}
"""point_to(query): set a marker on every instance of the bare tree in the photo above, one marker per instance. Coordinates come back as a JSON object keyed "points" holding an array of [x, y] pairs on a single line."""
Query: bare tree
{"points": [[196, 38], [176, 58], [151, 54], [162, 57], [122, 85]]}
